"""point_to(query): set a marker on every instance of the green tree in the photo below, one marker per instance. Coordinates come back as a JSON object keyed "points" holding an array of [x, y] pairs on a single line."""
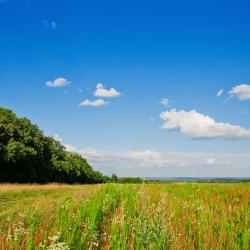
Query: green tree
{"points": [[114, 178], [27, 155]]}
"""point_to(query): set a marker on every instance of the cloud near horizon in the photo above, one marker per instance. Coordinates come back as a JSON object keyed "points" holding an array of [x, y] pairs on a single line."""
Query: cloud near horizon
{"points": [[147, 163], [141, 159], [101, 91], [242, 92], [146, 157], [198, 126], [210, 161], [58, 83], [57, 138]]}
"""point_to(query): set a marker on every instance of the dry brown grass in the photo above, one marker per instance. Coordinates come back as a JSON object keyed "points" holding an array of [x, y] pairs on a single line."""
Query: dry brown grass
{"points": [[18, 200], [8, 187]]}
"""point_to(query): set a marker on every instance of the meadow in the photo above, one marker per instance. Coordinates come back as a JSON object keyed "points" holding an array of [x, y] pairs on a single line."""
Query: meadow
{"points": [[125, 216]]}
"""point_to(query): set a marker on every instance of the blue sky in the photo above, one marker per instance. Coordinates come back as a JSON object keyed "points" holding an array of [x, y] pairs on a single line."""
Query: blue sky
{"points": [[53, 55]]}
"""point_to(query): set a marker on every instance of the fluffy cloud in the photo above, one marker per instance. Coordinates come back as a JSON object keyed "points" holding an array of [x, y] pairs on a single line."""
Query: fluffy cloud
{"points": [[220, 92], [199, 126], [95, 103], [165, 102], [242, 92], [101, 91], [58, 82]]}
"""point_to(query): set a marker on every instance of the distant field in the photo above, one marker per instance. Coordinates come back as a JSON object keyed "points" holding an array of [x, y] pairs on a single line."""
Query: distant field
{"points": [[113, 216]]}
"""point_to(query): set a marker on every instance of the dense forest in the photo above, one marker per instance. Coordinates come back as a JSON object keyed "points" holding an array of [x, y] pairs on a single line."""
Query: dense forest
{"points": [[27, 155]]}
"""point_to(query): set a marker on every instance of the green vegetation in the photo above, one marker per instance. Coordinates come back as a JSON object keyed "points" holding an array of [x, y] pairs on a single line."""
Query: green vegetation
{"points": [[106, 216], [132, 180], [130, 216], [28, 156]]}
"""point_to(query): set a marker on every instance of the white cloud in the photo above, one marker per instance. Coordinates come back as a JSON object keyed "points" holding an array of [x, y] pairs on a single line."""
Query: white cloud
{"points": [[146, 156], [72, 149], [49, 24], [199, 126], [58, 82], [95, 103], [242, 92], [165, 102], [101, 91], [220, 92], [154, 164], [184, 163], [210, 161], [154, 160]]}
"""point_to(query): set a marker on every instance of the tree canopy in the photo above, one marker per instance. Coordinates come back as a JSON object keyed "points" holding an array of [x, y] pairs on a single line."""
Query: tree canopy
{"points": [[27, 155]]}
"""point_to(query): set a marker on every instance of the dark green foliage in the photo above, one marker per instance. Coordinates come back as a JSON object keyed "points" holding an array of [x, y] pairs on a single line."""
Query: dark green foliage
{"points": [[130, 180], [123, 180], [27, 155], [114, 178]]}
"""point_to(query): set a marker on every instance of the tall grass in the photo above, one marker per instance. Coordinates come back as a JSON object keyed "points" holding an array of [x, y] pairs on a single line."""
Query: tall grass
{"points": [[157, 216]]}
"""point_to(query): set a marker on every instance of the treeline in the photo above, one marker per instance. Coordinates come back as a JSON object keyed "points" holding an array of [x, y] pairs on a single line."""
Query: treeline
{"points": [[133, 180], [28, 156]]}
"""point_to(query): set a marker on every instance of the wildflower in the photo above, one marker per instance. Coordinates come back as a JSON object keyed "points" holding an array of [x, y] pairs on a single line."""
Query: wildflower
{"points": [[19, 231], [56, 243]]}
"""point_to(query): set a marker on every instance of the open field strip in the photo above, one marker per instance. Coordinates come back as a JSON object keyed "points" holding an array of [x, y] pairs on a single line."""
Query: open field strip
{"points": [[113, 216]]}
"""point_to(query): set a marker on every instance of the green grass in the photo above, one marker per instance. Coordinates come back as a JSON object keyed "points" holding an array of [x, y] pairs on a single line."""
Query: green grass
{"points": [[113, 216]]}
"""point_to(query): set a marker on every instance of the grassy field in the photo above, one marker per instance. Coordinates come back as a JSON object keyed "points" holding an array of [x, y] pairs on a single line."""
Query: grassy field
{"points": [[113, 216]]}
